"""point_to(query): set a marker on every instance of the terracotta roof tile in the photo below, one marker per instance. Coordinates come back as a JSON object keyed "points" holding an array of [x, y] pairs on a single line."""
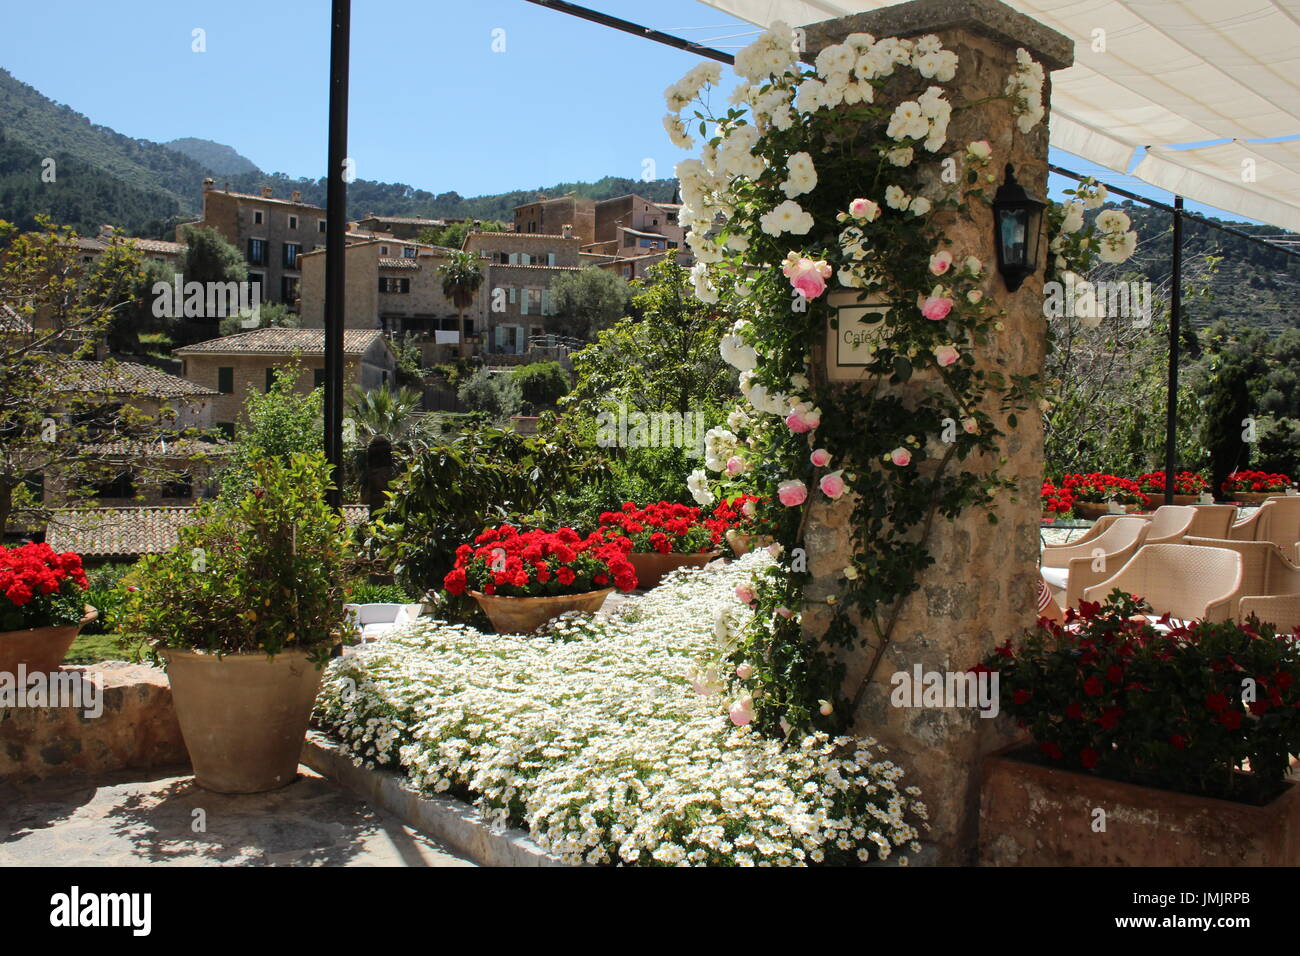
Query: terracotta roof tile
{"points": [[126, 378], [275, 341]]}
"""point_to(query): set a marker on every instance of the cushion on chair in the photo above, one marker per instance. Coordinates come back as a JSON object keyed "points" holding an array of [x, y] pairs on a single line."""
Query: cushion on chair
{"points": [[1056, 577]]}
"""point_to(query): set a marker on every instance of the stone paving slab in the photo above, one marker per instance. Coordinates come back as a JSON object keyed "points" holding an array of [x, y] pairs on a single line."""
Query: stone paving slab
{"points": [[149, 818]]}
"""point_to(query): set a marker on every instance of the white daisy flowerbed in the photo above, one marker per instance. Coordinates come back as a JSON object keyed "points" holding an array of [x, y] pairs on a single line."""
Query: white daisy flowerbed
{"points": [[594, 740]]}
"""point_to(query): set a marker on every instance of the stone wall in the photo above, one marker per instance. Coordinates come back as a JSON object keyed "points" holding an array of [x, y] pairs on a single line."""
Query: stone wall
{"points": [[136, 730]]}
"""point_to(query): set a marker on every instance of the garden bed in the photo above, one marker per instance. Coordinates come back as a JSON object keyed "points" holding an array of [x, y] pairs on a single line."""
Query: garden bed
{"points": [[593, 740]]}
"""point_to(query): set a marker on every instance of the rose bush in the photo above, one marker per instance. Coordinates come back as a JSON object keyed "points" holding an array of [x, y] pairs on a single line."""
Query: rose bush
{"points": [[508, 562]]}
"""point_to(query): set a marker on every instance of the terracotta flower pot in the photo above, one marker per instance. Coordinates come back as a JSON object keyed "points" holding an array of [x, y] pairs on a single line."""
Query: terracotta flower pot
{"points": [[1253, 497], [41, 649], [523, 615], [1036, 815], [651, 566], [740, 542], [243, 716], [1091, 510]]}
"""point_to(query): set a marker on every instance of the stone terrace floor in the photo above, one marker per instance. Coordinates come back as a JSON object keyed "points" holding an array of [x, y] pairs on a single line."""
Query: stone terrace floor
{"points": [[144, 818]]}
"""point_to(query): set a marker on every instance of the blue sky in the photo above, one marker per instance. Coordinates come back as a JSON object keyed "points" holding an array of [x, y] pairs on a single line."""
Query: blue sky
{"points": [[431, 104]]}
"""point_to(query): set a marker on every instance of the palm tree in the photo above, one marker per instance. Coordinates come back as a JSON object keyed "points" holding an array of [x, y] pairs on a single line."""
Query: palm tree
{"points": [[394, 414], [461, 277]]}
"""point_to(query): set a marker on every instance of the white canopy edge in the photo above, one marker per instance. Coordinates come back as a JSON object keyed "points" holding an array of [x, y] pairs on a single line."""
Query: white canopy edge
{"points": [[1216, 176], [1159, 73]]}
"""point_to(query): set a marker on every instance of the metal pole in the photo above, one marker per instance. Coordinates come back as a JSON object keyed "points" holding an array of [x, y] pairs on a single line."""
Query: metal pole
{"points": [[336, 206], [1175, 316]]}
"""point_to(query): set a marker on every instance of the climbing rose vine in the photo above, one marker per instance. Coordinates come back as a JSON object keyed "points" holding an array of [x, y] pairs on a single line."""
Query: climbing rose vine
{"points": [[808, 188]]}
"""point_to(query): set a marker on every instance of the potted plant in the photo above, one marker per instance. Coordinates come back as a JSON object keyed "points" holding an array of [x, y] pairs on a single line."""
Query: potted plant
{"points": [[734, 521], [244, 612], [665, 537], [41, 607], [1180, 735], [1057, 502], [1253, 487], [1188, 487], [1094, 492], [523, 579]]}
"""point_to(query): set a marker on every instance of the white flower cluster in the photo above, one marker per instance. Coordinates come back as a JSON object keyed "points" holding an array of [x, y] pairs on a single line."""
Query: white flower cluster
{"points": [[719, 445], [1025, 87], [1117, 241], [680, 94], [770, 55], [594, 739], [925, 118], [846, 71]]}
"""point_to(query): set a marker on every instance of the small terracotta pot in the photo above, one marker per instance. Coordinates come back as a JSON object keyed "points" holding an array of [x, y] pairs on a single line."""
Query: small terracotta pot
{"points": [[243, 716], [523, 615], [1091, 510], [740, 542], [651, 566], [41, 649]]}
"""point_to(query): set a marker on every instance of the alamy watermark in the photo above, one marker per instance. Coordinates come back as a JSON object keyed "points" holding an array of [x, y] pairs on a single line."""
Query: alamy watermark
{"points": [[624, 429], [62, 688], [1083, 299], [919, 688], [179, 299]]}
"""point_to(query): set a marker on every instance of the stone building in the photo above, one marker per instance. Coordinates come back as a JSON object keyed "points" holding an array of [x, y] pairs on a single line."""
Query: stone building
{"points": [[630, 226], [399, 227], [394, 286], [234, 365], [550, 216], [271, 233], [168, 253], [521, 268]]}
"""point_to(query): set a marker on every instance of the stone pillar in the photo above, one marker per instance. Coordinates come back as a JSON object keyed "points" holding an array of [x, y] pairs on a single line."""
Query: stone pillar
{"points": [[981, 588]]}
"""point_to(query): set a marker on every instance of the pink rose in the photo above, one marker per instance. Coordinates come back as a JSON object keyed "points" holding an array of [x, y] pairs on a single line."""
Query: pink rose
{"points": [[742, 711], [745, 593], [936, 307], [969, 426], [864, 209], [809, 284], [832, 485], [941, 262], [803, 418], [820, 458], [946, 355], [745, 671], [735, 465], [792, 493], [901, 457], [785, 612]]}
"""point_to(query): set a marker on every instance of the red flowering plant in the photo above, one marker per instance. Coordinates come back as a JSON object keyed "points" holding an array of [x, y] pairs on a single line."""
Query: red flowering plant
{"points": [[664, 528], [508, 562], [40, 587], [1057, 501], [1099, 487], [1254, 481], [1206, 708], [1185, 483]]}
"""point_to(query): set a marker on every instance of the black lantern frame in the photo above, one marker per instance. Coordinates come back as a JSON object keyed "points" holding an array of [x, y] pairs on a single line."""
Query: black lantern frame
{"points": [[1018, 231]]}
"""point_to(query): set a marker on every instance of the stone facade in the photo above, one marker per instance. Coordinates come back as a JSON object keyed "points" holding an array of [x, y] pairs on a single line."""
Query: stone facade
{"points": [[267, 231], [980, 590], [550, 216]]}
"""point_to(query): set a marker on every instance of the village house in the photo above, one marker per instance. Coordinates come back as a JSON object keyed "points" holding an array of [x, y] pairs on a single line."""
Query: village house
{"points": [[520, 270], [168, 253], [394, 286], [235, 365], [271, 233], [398, 227]]}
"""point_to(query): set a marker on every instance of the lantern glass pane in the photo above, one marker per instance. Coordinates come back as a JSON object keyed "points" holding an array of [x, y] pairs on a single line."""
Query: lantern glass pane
{"points": [[1014, 229]]}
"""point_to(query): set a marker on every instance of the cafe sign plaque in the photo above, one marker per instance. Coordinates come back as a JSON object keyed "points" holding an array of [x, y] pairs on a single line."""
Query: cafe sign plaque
{"points": [[853, 339]]}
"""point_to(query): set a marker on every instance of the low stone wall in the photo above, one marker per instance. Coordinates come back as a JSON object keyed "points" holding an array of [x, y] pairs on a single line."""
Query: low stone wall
{"points": [[137, 728]]}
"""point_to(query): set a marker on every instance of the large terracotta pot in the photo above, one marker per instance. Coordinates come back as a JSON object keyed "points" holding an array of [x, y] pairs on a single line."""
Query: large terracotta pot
{"points": [[1035, 815], [40, 649], [651, 566], [523, 615], [243, 716], [1253, 497]]}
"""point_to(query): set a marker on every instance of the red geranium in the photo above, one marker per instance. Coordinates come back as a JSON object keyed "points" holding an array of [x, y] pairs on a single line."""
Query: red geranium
{"points": [[664, 528], [511, 563], [1185, 483], [1099, 487], [1255, 481], [40, 587]]}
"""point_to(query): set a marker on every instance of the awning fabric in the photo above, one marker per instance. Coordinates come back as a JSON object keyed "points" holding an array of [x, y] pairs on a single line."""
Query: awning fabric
{"points": [[1162, 73]]}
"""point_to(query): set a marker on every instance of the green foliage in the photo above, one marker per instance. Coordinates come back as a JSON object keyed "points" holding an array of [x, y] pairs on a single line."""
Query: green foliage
{"points": [[588, 301], [452, 235], [1227, 407], [210, 257], [365, 592], [496, 395], [271, 315], [541, 384], [106, 595], [280, 423], [262, 572], [453, 489]]}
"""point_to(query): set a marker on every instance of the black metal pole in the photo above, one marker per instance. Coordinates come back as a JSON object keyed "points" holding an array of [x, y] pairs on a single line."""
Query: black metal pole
{"points": [[1175, 317], [336, 228]]}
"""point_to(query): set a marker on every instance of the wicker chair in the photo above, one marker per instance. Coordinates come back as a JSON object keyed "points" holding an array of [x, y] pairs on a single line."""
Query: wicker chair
{"points": [[1266, 573], [1098, 527], [1276, 520], [1280, 610], [1212, 521], [1186, 582], [1070, 568], [1170, 524]]}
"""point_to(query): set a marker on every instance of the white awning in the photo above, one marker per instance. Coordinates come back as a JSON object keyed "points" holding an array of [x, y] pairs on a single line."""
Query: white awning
{"points": [[1161, 73]]}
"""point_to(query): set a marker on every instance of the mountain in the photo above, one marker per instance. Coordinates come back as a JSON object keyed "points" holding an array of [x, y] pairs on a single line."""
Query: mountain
{"points": [[219, 158]]}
